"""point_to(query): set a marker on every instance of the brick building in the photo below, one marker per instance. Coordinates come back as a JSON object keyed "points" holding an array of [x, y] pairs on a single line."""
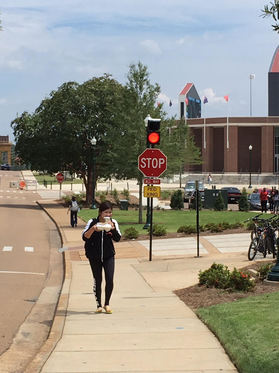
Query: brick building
{"points": [[241, 144], [5, 150]]}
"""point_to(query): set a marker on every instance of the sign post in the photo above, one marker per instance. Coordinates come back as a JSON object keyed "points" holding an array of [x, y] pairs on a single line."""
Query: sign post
{"points": [[152, 163], [197, 217], [60, 179]]}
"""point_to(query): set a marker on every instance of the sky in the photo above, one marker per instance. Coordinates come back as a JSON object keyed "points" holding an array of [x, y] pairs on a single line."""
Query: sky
{"points": [[216, 45]]}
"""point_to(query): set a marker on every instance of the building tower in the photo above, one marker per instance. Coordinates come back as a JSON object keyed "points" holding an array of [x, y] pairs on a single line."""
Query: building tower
{"points": [[189, 102], [273, 85]]}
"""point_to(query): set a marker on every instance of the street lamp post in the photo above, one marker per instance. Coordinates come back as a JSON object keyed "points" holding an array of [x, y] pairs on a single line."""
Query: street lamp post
{"points": [[252, 76], [93, 143], [250, 164]]}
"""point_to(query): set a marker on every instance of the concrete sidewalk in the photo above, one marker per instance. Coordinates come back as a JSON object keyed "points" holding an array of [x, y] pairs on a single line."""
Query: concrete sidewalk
{"points": [[150, 330]]}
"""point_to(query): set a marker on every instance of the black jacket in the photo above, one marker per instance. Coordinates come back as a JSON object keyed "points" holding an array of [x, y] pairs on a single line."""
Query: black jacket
{"points": [[100, 245]]}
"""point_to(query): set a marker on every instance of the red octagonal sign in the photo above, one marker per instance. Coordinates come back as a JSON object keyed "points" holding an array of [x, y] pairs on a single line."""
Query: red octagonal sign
{"points": [[152, 162], [60, 177]]}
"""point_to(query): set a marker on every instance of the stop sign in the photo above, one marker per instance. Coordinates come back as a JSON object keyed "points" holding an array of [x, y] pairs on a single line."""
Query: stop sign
{"points": [[152, 162], [60, 177]]}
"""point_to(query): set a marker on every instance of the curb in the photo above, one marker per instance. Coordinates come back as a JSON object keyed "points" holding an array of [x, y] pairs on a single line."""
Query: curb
{"points": [[56, 331]]}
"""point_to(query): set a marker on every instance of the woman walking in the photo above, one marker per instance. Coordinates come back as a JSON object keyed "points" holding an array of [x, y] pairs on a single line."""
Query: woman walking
{"points": [[99, 235]]}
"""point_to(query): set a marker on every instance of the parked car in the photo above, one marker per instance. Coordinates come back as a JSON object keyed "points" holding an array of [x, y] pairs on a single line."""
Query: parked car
{"points": [[255, 201], [5, 166], [190, 188], [233, 194]]}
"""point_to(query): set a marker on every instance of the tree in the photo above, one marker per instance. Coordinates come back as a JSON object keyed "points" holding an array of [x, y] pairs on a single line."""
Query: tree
{"points": [[272, 10], [178, 144], [141, 102], [58, 135]]}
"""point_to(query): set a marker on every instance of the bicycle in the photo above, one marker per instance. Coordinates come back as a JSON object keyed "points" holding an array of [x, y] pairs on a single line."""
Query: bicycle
{"points": [[263, 237]]}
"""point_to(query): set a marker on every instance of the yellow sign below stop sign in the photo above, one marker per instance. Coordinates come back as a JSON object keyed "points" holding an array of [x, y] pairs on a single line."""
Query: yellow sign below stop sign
{"points": [[151, 191]]}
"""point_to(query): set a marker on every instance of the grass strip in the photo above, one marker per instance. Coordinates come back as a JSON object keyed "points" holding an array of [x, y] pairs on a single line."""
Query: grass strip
{"points": [[171, 219], [249, 331]]}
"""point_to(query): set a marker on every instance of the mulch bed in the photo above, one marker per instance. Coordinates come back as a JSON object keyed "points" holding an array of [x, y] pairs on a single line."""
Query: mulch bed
{"points": [[197, 296]]}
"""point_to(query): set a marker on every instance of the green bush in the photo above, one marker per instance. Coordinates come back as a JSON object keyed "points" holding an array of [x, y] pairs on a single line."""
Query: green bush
{"points": [[250, 225], [213, 227], [225, 225], [165, 194], [103, 197], [126, 194], [219, 276], [131, 233], [158, 230], [241, 281], [263, 270], [115, 196], [177, 200], [187, 229], [243, 204], [237, 225], [219, 204], [79, 198]]}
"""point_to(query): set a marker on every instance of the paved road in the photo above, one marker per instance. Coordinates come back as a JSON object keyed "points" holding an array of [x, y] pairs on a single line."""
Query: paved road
{"points": [[27, 236]]}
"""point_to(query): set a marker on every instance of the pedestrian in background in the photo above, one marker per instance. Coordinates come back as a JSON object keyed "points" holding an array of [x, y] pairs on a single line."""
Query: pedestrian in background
{"points": [[209, 179], [271, 199], [276, 202], [264, 198], [73, 208], [99, 235]]}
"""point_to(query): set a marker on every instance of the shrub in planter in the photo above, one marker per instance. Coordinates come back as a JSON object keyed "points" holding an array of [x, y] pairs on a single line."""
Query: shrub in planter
{"points": [[158, 230], [225, 225], [250, 225], [79, 198], [236, 225], [177, 200], [263, 270], [126, 194], [187, 229], [217, 276], [241, 281], [131, 233], [115, 196], [213, 228]]}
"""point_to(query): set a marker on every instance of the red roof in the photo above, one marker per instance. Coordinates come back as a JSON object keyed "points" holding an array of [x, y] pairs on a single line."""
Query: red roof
{"points": [[274, 67], [186, 89]]}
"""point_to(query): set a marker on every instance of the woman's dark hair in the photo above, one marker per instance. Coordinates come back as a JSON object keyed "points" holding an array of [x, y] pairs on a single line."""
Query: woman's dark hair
{"points": [[73, 198], [105, 206]]}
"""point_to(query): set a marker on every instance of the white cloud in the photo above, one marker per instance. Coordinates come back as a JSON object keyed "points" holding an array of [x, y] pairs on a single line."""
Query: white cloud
{"points": [[151, 46], [212, 97], [163, 98]]}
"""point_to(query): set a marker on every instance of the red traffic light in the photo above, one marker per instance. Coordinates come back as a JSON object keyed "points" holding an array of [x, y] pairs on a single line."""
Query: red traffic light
{"points": [[153, 137]]}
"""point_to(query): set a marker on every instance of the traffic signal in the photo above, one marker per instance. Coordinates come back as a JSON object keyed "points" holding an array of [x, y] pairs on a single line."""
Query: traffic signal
{"points": [[153, 132]]}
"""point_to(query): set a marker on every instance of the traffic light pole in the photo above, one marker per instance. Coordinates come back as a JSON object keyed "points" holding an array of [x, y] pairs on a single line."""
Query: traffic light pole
{"points": [[147, 224]]}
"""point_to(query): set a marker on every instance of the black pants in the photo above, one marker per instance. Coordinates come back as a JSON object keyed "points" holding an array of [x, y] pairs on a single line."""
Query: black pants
{"points": [[264, 206], [97, 269], [73, 218]]}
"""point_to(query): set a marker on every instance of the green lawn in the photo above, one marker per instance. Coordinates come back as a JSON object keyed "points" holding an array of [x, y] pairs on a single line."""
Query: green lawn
{"points": [[249, 331], [52, 179], [171, 219]]}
